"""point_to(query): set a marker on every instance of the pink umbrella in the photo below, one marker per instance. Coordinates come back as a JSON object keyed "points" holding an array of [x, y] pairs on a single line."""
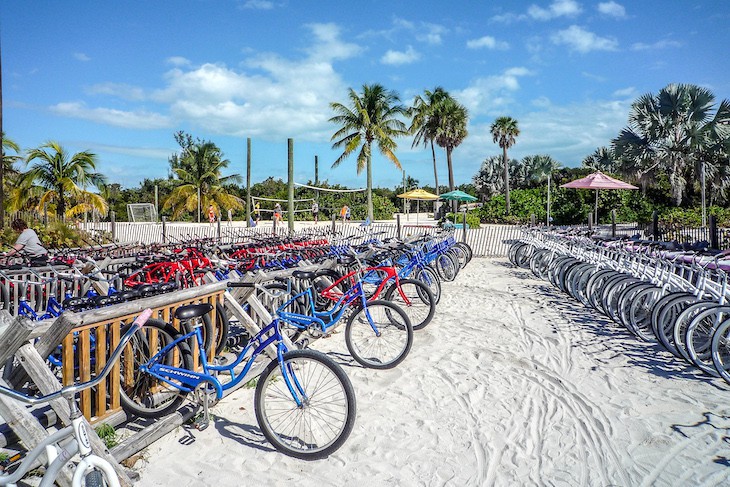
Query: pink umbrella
{"points": [[597, 181]]}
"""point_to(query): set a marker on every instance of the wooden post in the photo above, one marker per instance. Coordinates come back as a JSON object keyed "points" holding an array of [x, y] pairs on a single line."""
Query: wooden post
{"points": [[157, 204], [164, 229], [714, 243], [248, 182], [465, 225], [532, 219], [290, 200], [590, 221], [316, 178], [655, 225], [334, 221], [613, 223], [113, 220], [397, 224], [218, 230]]}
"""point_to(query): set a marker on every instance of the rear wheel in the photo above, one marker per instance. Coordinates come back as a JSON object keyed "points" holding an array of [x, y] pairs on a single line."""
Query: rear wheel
{"points": [[141, 393], [415, 298], [325, 415], [428, 276], [379, 336]]}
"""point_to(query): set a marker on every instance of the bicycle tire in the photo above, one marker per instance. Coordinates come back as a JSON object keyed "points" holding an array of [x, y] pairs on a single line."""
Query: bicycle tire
{"points": [[699, 337], [430, 278], [421, 305], [679, 332], [720, 350], [221, 329], [283, 422], [446, 267], [640, 313], [466, 248], [667, 318], [140, 393], [389, 346]]}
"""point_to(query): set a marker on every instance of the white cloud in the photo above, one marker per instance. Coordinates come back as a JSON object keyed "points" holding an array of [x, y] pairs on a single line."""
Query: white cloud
{"points": [[581, 40], [487, 42], [178, 61], [493, 93], [664, 44], [431, 33], [408, 56], [422, 31], [80, 56], [629, 92], [138, 119], [258, 4], [119, 90], [612, 9], [328, 45], [559, 8]]}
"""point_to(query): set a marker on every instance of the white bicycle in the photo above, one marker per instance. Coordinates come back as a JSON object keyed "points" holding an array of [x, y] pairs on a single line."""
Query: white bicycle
{"points": [[90, 470]]}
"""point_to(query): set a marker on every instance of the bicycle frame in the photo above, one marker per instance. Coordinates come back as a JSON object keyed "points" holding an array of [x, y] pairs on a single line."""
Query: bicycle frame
{"points": [[190, 379]]}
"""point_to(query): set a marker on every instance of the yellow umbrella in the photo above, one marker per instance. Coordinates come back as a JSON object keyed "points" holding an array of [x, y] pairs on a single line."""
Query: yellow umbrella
{"points": [[418, 195]]}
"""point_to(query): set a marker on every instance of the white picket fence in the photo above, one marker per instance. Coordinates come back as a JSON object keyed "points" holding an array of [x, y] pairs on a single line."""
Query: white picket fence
{"points": [[489, 240]]}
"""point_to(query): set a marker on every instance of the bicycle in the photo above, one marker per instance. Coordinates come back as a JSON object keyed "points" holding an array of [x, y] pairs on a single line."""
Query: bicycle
{"points": [[304, 402], [91, 470]]}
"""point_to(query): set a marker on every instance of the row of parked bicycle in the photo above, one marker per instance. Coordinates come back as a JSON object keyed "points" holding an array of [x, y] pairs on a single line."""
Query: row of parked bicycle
{"points": [[659, 291], [304, 402]]}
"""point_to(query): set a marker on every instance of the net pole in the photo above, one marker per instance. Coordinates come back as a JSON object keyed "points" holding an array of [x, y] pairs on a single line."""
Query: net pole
{"points": [[248, 182], [290, 202]]}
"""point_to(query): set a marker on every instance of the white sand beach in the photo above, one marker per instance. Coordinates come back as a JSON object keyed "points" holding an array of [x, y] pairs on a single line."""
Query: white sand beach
{"points": [[512, 383]]}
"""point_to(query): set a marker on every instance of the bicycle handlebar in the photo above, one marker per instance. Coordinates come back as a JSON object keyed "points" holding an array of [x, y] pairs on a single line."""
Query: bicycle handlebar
{"points": [[71, 390]]}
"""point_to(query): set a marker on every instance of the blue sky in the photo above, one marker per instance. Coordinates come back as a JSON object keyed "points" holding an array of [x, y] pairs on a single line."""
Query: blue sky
{"points": [[120, 78]]}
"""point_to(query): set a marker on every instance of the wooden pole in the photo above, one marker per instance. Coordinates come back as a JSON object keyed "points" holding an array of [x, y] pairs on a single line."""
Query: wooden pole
{"points": [[290, 163], [316, 177], [248, 182], [397, 222]]}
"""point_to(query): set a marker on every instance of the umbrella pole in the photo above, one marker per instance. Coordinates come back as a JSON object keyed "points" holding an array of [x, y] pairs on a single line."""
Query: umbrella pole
{"points": [[596, 208]]}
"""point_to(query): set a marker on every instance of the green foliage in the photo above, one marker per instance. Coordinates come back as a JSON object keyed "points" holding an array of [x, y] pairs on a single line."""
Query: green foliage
{"points": [[108, 435], [472, 218], [56, 234]]}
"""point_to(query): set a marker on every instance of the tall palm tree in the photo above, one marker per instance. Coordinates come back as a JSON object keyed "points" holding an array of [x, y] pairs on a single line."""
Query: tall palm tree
{"points": [[504, 131], [371, 117], [198, 168], [64, 179], [541, 167], [451, 132], [672, 133], [425, 122]]}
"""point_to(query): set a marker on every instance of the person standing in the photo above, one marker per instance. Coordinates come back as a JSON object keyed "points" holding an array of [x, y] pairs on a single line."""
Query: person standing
{"points": [[315, 211], [343, 213], [28, 244], [347, 213], [257, 212], [211, 214], [230, 217], [277, 212]]}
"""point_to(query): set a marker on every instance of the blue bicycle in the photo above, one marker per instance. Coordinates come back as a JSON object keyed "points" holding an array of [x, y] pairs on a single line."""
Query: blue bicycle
{"points": [[304, 402]]}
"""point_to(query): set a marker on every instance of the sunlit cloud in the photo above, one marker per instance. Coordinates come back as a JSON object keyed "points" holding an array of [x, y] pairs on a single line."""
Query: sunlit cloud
{"points": [[80, 56], [178, 61], [119, 90], [138, 119], [408, 56], [493, 93], [486, 42], [612, 9], [425, 32], [559, 8], [581, 40], [258, 5], [664, 44]]}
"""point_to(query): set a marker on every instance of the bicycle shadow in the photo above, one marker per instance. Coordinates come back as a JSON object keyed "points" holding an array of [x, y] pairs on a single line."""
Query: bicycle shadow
{"points": [[244, 434]]}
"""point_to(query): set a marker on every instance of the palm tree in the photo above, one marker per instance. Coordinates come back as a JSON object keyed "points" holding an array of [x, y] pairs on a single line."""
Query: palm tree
{"points": [[674, 133], [425, 122], [7, 168], [504, 130], [371, 117], [541, 167], [198, 169], [451, 132], [63, 179]]}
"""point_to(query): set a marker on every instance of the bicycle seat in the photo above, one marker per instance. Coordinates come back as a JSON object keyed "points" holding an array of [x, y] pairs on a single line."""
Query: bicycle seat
{"points": [[129, 295], [147, 290], [77, 303], [166, 287], [107, 300], [303, 275], [192, 311]]}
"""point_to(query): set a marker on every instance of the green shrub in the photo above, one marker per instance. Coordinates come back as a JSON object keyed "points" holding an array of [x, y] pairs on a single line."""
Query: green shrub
{"points": [[472, 218], [108, 435]]}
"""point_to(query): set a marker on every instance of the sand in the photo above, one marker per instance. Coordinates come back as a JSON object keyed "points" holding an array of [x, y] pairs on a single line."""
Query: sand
{"points": [[512, 383]]}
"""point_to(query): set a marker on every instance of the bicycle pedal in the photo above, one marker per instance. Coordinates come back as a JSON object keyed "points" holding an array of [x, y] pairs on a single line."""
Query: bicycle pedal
{"points": [[201, 424]]}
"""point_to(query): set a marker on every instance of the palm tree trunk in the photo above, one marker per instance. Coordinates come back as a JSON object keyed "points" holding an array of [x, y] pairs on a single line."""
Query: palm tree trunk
{"points": [[435, 178], [370, 184], [451, 176], [198, 204], [506, 178]]}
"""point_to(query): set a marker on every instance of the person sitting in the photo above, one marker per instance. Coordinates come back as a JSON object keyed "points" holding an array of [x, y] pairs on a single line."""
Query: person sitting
{"points": [[28, 244]]}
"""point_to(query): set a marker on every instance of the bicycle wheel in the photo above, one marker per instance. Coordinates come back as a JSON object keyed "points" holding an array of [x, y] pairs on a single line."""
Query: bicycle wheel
{"points": [[666, 319], [427, 276], [523, 254], [640, 313], [467, 249], [324, 419], [699, 337], [140, 393], [446, 267], [415, 298], [720, 349], [379, 336], [221, 328], [681, 324]]}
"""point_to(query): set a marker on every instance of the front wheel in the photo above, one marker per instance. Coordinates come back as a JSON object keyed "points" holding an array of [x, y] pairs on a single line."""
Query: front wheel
{"points": [[415, 298], [321, 420], [379, 335]]}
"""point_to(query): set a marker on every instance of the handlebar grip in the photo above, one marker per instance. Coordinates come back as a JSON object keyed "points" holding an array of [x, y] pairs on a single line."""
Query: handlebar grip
{"points": [[240, 284], [143, 317]]}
